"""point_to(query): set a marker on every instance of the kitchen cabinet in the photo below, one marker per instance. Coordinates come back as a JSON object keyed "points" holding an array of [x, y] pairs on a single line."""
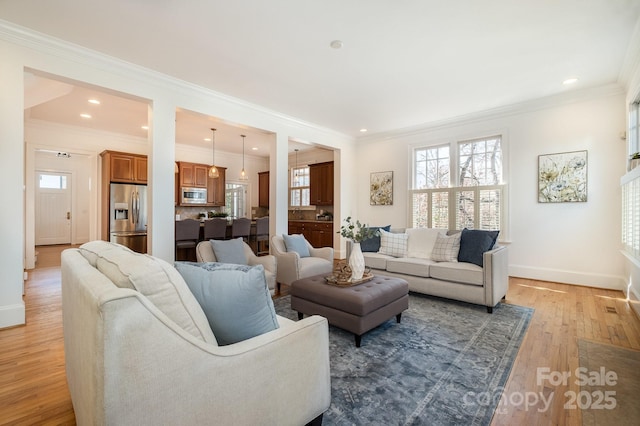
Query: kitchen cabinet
{"points": [[193, 175], [216, 188], [118, 167], [321, 184], [124, 168], [319, 234], [263, 189]]}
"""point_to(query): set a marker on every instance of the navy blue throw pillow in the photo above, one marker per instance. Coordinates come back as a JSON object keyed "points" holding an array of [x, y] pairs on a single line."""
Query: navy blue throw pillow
{"points": [[473, 243], [373, 244]]}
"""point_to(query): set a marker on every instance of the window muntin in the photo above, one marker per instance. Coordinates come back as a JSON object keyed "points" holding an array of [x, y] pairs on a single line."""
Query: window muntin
{"points": [[480, 162], [475, 200], [432, 167], [299, 188]]}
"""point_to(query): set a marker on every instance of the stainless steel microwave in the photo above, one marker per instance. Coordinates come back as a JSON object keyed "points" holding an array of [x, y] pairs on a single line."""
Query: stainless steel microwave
{"points": [[193, 195]]}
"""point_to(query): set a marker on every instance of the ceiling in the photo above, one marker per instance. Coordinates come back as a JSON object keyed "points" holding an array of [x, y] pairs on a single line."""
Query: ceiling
{"points": [[401, 64]]}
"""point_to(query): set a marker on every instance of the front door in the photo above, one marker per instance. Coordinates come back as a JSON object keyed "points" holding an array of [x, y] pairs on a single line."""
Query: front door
{"points": [[53, 208]]}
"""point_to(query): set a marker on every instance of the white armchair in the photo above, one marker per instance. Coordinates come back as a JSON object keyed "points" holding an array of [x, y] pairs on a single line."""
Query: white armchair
{"points": [[292, 267], [204, 253]]}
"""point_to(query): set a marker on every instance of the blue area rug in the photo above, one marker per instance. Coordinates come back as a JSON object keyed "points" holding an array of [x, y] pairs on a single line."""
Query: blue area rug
{"points": [[445, 364]]}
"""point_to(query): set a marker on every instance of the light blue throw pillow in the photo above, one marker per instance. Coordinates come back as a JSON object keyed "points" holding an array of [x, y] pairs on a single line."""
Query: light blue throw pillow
{"points": [[234, 298], [229, 251], [296, 243]]}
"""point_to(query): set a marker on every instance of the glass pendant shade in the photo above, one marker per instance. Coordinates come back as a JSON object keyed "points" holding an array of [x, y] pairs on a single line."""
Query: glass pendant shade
{"points": [[213, 170], [243, 173]]}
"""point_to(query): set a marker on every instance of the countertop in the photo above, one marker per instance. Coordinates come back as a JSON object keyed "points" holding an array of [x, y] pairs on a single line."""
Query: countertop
{"points": [[310, 220]]}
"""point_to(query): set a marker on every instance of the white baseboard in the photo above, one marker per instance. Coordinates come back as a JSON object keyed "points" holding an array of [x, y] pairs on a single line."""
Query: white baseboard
{"points": [[633, 299], [12, 315], [610, 282]]}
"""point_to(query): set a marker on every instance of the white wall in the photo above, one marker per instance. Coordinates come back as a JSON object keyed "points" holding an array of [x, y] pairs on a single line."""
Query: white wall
{"points": [[22, 50], [574, 243]]}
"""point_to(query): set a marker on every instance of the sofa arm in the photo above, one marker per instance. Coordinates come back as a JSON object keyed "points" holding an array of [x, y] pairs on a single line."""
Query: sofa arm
{"points": [[496, 275], [323, 252], [288, 267], [167, 376], [268, 262]]}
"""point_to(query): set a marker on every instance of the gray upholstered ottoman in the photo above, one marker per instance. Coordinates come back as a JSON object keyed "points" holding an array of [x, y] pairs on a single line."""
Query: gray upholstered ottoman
{"points": [[358, 308]]}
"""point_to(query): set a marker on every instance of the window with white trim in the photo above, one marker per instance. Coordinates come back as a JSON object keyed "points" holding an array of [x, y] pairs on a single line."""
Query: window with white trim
{"points": [[299, 189], [631, 189], [459, 185], [633, 139]]}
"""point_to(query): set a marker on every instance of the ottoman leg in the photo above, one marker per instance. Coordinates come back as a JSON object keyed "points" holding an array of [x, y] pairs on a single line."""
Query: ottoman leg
{"points": [[300, 315], [399, 317], [358, 340]]}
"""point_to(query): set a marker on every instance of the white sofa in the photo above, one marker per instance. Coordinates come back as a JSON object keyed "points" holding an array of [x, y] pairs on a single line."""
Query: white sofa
{"points": [[147, 355], [467, 282]]}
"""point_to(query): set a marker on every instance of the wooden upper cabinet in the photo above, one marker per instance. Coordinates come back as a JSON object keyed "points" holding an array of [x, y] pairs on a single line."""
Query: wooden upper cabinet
{"points": [[321, 184], [216, 188], [193, 175], [123, 167], [263, 189]]}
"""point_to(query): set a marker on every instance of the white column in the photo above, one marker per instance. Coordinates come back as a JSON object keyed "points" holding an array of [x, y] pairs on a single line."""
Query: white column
{"points": [[279, 186], [12, 310], [161, 176]]}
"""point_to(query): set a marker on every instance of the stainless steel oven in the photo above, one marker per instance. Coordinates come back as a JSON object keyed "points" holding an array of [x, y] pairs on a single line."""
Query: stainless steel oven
{"points": [[193, 195]]}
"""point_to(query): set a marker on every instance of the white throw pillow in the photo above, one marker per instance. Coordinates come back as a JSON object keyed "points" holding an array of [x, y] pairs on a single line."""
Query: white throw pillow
{"points": [[446, 248], [154, 278], [393, 244], [420, 241]]}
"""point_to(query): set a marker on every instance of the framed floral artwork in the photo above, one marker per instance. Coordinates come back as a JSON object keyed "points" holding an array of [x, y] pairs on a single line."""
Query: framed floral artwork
{"points": [[562, 177], [381, 189]]}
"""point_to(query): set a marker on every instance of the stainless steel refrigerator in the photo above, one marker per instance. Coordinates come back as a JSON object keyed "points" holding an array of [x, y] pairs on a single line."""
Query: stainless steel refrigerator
{"points": [[128, 216]]}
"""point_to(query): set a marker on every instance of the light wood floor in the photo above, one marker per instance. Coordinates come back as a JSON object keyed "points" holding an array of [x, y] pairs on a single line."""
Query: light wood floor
{"points": [[33, 388]]}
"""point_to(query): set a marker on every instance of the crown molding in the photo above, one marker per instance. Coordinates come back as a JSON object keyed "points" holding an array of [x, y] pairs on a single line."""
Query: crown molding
{"points": [[566, 98], [62, 49], [631, 63]]}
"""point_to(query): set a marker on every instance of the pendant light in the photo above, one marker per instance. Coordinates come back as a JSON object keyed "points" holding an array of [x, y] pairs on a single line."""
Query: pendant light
{"points": [[295, 170], [243, 173], [213, 171]]}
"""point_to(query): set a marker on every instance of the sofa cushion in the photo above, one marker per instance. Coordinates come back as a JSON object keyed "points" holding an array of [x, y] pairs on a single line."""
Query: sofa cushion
{"points": [[372, 244], [235, 299], [473, 244], [393, 244], [460, 272], [410, 266], [376, 260], [420, 241], [296, 243], [154, 278], [446, 248], [229, 251]]}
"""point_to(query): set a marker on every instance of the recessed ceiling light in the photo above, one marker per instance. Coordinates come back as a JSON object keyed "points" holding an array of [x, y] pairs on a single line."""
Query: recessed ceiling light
{"points": [[207, 139], [570, 81], [85, 115], [363, 130], [336, 44], [144, 127], [255, 148], [94, 101]]}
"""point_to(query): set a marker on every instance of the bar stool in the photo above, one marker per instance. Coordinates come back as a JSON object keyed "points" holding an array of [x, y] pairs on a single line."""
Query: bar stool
{"points": [[187, 236], [215, 229], [262, 236], [241, 228]]}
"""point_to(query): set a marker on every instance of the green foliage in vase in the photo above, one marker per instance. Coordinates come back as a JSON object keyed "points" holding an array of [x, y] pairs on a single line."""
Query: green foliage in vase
{"points": [[356, 231]]}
